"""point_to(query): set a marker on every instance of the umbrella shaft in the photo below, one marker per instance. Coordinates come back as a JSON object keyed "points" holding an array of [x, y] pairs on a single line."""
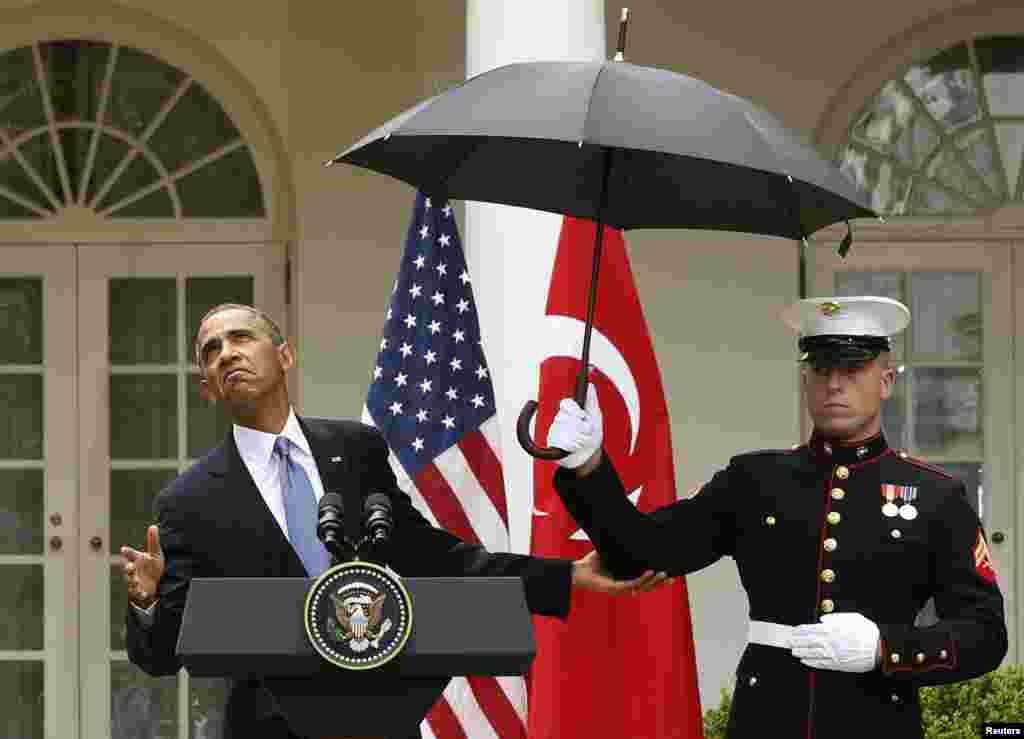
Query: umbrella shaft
{"points": [[595, 270]]}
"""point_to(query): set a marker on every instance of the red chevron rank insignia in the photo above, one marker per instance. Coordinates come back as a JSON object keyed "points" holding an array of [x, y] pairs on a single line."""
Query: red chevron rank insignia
{"points": [[983, 560]]}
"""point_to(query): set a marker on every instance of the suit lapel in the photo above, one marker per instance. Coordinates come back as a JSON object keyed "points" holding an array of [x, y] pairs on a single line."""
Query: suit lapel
{"points": [[243, 504], [335, 462]]}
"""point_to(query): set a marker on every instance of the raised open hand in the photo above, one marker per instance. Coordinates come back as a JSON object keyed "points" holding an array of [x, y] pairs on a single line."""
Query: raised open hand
{"points": [[143, 570]]}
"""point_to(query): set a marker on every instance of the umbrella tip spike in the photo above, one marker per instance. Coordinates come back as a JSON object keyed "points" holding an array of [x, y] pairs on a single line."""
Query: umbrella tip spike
{"points": [[330, 162], [620, 53]]}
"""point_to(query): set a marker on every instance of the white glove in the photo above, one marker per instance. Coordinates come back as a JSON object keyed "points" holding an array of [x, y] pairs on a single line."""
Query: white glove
{"points": [[847, 642], [577, 431]]}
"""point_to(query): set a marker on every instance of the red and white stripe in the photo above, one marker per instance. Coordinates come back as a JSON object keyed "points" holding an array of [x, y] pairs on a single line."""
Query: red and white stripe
{"points": [[463, 492]]}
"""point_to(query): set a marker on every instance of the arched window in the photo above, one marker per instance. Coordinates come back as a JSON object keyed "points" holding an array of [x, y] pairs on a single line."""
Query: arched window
{"points": [[115, 130], [946, 137]]}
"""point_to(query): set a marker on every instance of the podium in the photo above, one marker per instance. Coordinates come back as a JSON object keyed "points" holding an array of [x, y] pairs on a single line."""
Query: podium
{"points": [[252, 628]]}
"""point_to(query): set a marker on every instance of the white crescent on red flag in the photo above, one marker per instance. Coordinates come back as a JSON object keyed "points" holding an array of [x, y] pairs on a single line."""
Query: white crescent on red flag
{"points": [[599, 674]]}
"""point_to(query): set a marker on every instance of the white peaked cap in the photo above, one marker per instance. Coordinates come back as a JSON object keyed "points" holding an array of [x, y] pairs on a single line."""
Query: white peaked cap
{"points": [[863, 315]]}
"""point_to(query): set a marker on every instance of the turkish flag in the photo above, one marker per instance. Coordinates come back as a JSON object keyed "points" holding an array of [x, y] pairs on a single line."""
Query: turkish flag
{"points": [[620, 666]]}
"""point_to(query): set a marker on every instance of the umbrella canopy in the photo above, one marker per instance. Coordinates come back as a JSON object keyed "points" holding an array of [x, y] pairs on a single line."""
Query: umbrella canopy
{"points": [[678, 152]]}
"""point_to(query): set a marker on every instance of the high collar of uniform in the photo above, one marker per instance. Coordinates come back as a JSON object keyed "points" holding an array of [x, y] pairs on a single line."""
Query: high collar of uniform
{"points": [[832, 451]]}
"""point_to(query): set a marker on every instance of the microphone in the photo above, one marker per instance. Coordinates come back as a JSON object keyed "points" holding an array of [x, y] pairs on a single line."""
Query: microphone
{"points": [[378, 522], [330, 527]]}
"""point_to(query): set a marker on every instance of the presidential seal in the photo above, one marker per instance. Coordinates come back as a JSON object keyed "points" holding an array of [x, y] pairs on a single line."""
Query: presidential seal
{"points": [[358, 615]]}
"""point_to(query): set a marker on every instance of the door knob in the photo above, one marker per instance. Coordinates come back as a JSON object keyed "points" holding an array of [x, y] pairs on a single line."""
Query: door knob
{"points": [[56, 543], [96, 542], [998, 537]]}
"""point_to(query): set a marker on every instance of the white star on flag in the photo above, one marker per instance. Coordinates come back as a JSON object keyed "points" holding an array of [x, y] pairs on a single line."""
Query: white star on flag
{"points": [[445, 239], [464, 277], [449, 422], [481, 372], [426, 385], [415, 290], [442, 269], [395, 408], [400, 379], [421, 415], [406, 349], [410, 321], [419, 261], [424, 232], [417, 444], [435, 327], [462, 305], [377, 372], [438, 298], [459, 336], [455, 364], [430, 357], [452, 394], [478, 401], [447, 210]]}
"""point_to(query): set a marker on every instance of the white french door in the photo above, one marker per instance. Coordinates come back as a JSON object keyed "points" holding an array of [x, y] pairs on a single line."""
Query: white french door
{"points": [[101, 411], [38, 494], [142, 422]]}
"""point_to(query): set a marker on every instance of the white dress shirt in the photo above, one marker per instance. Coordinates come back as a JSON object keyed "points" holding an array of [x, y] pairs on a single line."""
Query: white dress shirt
{"points": [[256, 448], [257, 451]]}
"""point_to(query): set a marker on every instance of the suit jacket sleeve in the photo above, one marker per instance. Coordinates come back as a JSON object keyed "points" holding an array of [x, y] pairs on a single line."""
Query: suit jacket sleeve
{"points": [[970, 638], [420, 549], [678, 538], [152, 648]]}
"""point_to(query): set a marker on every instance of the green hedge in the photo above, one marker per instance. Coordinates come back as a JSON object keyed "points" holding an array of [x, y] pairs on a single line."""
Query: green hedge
{"points": [[948, 711]]}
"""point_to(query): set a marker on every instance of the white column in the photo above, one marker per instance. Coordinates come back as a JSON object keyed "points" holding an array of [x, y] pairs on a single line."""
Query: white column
{"points": [[511, 251]]}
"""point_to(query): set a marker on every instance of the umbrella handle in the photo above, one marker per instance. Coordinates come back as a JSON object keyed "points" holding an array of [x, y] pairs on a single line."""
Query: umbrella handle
{"points": [[526, 415], [523, 432]]}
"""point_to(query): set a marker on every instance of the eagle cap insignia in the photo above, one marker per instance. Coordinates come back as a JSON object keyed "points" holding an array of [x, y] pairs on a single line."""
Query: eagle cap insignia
{"points": [[830, 309], [358, 615]]}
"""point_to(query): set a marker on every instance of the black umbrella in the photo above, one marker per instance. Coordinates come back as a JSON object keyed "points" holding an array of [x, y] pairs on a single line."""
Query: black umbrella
{"points": [[622, 145]]}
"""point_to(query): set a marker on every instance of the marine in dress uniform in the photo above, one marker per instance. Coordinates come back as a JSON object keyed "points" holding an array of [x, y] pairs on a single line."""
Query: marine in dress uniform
{"points": [[838, 545]]}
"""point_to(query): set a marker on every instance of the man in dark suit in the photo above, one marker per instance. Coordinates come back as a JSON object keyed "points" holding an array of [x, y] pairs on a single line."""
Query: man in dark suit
{"points": [[230, 515]]}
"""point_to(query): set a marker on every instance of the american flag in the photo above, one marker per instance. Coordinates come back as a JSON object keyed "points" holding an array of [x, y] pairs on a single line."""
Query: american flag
{"points": [[432, 399]]}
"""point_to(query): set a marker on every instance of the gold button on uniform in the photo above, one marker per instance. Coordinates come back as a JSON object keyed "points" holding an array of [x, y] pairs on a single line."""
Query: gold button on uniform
{"points": [[895, 658], [943, 654], [842, 472], [896, 533], [833, 517], [827, 606], [828, 575], [831, 545], [919, 658], [838, 493], [770, 520]]}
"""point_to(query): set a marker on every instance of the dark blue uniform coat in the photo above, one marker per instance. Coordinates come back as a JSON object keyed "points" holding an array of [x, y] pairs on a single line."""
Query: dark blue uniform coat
{"points": [[808, 535]]}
